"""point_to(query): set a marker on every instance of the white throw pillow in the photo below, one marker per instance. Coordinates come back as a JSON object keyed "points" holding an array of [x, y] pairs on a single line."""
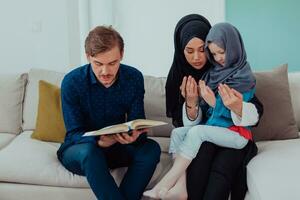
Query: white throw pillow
{"points": [[32, 94]]}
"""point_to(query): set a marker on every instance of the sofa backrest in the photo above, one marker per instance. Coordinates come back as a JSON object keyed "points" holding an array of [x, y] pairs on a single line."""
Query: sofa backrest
{"points": [[155, 104], [154, 99], [12, 88]]}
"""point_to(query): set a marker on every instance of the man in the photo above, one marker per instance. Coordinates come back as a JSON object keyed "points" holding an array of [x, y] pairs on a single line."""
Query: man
{"points": [[102, 93]]}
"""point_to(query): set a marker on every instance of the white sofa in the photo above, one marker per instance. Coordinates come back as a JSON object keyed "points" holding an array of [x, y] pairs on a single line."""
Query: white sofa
{"points": [[29, 169]]}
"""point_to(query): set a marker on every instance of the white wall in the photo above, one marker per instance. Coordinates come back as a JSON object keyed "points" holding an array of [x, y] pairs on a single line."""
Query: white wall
{"points": [[34, 33], [50, 34], [148, 28]]}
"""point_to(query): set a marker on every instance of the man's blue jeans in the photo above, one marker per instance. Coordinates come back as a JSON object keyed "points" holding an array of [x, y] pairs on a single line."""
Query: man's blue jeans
{"points": [[88, 159]]}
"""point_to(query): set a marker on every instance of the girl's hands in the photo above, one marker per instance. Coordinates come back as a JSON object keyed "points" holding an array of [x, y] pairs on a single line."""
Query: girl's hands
{"points": [[191, 92], [231, 98], [207, 94]]}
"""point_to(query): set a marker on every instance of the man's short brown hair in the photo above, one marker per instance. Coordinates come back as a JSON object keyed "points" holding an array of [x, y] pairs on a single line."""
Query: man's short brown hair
{"points": [[102, 39]]}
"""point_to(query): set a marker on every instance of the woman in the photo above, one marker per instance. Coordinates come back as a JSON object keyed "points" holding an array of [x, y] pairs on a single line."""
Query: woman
{"points": [[216, 171]]}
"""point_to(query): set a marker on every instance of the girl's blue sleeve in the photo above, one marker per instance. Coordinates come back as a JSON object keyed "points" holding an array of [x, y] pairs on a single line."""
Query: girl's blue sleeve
{"points": [[220, 109]]}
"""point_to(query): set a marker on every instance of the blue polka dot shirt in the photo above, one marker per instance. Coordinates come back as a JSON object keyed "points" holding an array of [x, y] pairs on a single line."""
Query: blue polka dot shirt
{"points": [[87, 105]]}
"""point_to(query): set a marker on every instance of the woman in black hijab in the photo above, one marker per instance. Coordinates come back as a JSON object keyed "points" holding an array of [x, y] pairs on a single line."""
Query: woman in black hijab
{"points": [[198, 26], [216, 171]]}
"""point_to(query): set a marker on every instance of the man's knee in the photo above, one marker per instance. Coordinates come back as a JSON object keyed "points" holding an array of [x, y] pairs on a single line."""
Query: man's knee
{"points": [[152, 152], [90, 154], [154, 149], [77, 156]]}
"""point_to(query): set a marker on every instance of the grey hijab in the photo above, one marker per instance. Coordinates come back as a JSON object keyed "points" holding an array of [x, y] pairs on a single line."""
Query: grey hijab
{"points": [[236, 72]]}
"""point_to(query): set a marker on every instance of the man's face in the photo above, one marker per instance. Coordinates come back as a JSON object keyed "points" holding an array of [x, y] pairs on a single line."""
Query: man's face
{"points": [[106, 65]]}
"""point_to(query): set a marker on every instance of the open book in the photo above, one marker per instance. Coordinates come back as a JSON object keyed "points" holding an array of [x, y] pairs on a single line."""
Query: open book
{"points": [[126, 127]]}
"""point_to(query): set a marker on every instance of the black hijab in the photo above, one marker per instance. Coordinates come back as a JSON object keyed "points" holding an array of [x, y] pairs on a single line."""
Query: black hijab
{"points": [[188, 27]]}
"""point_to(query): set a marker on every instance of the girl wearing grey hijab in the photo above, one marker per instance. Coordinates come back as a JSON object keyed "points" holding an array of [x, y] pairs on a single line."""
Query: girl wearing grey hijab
{"points": [[225, 50], [234, 71]]}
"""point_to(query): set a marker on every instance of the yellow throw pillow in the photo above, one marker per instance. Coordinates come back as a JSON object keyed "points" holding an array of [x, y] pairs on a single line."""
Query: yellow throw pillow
{"points": [[49, 124]]}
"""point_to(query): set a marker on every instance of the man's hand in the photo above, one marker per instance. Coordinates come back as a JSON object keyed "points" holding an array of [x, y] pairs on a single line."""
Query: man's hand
{"points": [[125, 138], [231, 98], [106, 140], [207, 94]]}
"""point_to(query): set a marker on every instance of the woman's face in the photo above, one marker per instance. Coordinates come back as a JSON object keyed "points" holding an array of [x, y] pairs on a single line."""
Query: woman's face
{"points": [[194, 53]]}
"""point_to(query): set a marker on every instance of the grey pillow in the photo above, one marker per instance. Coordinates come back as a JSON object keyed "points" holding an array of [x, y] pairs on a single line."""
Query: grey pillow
{"points": [[278, 121]]}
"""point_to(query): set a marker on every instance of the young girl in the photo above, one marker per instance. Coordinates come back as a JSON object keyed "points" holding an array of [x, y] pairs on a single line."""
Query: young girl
{"points": [[225, 49]]}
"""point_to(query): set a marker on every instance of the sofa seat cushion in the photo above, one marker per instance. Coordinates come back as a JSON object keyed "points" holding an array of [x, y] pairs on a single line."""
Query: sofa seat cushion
{"points": [[33, 161], [164, 143], [5, 138], [274, 173]]}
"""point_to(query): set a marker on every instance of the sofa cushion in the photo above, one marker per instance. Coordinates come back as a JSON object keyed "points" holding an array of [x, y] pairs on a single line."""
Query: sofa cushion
{"points": [[50, 123], [278, 120], [294, 81], [164, 143], [5, 139], [12, 87], [155, 105], [40, 165], [274, 173], [32, 90]]}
